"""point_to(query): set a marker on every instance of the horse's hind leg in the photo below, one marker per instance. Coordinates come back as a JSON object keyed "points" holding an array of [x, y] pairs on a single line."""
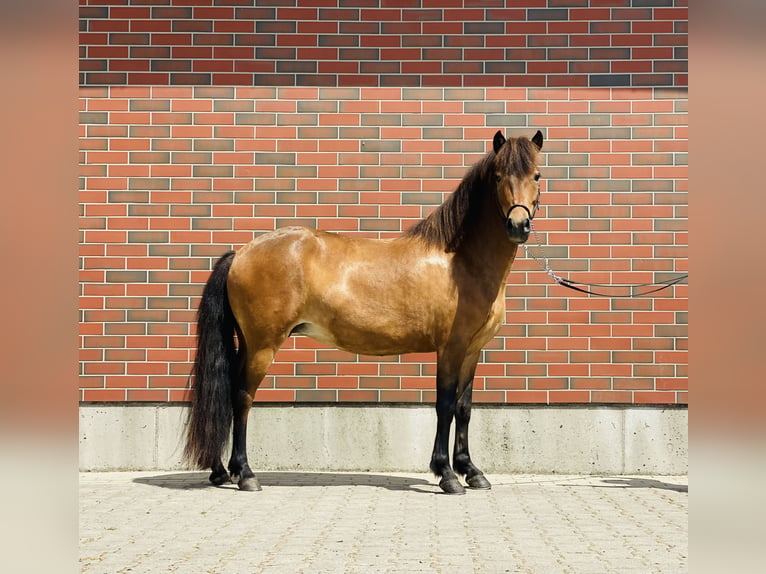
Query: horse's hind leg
{"points": [[252, 370], [219, 475]]}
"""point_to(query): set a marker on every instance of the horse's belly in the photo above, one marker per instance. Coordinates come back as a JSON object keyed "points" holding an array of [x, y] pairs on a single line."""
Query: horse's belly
{"points": [[369, 339]]}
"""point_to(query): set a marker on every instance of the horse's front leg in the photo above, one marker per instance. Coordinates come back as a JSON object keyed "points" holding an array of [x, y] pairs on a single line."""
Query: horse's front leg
{"points": [[461, 458], [447, 374]]}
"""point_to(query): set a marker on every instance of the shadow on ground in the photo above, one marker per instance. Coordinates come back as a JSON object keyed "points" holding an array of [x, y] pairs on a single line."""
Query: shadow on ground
{"points": [[636, 482], [195, 480]]}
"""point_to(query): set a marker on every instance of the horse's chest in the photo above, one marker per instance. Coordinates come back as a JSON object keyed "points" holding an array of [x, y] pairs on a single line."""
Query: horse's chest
{"points": [[488, 329], [496, 316]]}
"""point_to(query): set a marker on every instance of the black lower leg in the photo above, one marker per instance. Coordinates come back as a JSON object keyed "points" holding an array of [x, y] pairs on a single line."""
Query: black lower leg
{"points": [[440, 465], [461, 456], [219, 475], [238, 466]]}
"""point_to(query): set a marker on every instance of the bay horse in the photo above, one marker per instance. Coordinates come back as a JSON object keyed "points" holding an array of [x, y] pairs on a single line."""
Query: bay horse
{"points": [[440, 286]]}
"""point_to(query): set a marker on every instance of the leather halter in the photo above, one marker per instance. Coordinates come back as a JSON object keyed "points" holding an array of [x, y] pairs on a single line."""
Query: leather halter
{"points": [[515, 205]]}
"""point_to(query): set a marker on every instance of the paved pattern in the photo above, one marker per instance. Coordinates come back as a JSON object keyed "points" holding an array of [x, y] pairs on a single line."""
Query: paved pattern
{"points": [[304, 522]]}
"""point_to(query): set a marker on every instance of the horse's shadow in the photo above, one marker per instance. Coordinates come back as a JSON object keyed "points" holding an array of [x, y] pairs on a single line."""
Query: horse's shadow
{"points": [[197, 480], [637, 482]]}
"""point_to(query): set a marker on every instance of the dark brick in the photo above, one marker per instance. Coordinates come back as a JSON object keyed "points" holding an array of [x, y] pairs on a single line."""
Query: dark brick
{"points": [[297, 197], [293, 67], [275, 27], [652, 79], [401, 28], [450, 133], [671, 66], [609, 133], [381, 120], [140, 157], [422, 198], [464, 41], [507, 120], [338, 40], [609, 27], [126, 276], [94, 117], [190, 79], [358, 54], [213, 39], [271, 53], [150, 52], [361, 132], [423, 15], [212, 171], [568, 54], [379, 67], [631, 14], [274, 158], [255, 13], [547, 14], [171, 13], [149, 183], [217, 92], [612, 80], [651, 3], [94, 12], [610, 53], [504, 67], [171, 65], [421, 41], [596, 67], [192, 26], [335, 14], [359, 28], [255, 40], [484, 28], [524, 54]]}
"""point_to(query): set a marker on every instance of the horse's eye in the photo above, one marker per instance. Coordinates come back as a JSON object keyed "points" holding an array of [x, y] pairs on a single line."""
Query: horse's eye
{"points": [[537, 177], [498, 178]]}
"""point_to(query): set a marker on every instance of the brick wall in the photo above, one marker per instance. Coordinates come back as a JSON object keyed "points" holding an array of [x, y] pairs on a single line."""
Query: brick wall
{"points": [[173, 175], [488, 43]]}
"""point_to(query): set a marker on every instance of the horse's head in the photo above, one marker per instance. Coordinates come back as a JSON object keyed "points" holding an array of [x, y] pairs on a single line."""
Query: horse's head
{"points": [[517, 182]]}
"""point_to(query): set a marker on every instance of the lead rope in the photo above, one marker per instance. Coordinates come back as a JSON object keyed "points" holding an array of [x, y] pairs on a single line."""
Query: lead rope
{"points": [[543, 263]]}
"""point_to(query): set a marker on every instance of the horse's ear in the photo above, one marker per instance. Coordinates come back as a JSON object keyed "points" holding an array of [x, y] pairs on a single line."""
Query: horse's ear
{"points": [[498, 141], [537, 139]]}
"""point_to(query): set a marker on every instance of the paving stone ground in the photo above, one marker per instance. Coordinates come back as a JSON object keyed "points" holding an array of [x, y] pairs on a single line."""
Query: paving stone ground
{"points": [[322, 522]]}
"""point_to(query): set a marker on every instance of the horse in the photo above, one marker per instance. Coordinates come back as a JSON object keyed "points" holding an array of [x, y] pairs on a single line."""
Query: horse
{"points": [[437, 287]]}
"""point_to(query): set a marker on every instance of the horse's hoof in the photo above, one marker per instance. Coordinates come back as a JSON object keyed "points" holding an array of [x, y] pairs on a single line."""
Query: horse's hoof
{"points": [[478, 482], [451, 486], [250, 484], [217, 479]]}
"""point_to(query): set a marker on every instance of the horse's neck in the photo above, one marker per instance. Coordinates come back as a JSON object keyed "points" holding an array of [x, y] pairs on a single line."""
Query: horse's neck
{"points": [[486, 252]]}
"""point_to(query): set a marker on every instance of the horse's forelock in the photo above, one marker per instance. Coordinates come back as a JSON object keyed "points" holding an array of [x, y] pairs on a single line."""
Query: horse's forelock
{"points": [[517, 157]]}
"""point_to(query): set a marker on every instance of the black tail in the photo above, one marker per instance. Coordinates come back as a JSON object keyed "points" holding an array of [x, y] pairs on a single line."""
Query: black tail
{"points": [[210, 416]]}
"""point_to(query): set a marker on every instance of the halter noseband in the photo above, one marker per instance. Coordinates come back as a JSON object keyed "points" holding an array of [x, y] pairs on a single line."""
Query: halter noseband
{"points": [[531, 214]]}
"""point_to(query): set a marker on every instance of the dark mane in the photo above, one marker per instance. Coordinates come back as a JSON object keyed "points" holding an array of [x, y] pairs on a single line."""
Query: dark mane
{"points": [[448, 225]]}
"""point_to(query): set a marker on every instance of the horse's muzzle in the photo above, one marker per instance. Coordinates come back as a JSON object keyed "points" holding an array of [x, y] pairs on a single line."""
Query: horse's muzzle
{"points": [[518, 231]]}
